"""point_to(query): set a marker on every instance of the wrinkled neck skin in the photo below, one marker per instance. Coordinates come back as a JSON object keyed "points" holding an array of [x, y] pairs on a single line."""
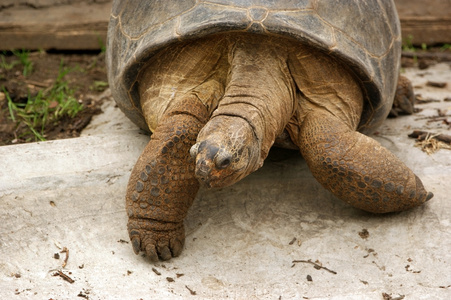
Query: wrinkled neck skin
{"points": [[259, 101]]}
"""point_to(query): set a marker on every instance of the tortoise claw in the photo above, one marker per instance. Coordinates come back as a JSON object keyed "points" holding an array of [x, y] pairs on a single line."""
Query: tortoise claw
{"points": [[164, 253], [136, 243], [158, 240], [176, 246], [151, 252]]}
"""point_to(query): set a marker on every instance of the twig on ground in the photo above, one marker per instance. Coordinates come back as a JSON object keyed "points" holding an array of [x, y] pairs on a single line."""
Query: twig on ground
{"points": [[315, 265], [64, 276]]}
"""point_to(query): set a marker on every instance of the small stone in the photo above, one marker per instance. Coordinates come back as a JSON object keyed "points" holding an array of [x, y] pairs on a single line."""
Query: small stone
{"points": [[437, 84]]}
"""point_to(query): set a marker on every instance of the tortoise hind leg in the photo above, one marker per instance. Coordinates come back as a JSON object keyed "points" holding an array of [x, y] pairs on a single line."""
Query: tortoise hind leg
{"points": [[404, 101], [162, 185], [356, 168]]}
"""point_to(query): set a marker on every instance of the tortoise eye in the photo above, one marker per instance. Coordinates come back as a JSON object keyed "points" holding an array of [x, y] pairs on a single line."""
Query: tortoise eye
{"points": [[223, 161]]}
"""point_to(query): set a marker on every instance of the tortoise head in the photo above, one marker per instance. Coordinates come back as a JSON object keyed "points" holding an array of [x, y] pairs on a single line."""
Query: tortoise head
{"points": [[226, 151]]}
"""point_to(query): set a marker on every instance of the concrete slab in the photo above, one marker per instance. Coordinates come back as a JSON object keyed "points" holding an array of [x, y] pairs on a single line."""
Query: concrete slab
{"points": [[241, 241]]}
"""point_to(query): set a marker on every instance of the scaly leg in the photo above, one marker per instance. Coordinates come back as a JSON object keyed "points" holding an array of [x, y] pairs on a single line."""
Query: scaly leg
{"points": [[356, 168], [162, 185], [179, 89]]}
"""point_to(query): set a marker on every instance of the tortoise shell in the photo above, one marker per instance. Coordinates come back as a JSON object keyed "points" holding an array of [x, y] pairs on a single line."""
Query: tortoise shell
{"points": [[364, 35]]}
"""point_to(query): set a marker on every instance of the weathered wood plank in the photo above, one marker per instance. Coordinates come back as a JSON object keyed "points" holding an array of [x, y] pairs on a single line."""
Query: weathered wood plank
{"points": [[426, 30], [77, 26], [426, 22]]}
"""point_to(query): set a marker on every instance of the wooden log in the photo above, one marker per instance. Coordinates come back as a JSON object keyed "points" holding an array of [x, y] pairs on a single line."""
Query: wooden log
{"points": [[426, 22], [80, 25]]}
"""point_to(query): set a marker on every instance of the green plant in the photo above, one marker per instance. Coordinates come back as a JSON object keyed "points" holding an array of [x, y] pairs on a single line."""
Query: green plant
{"points": [[407, 44], [445, 47], [24, 60], [101, 44], [99, 86], [47, 106], [5, 65]]}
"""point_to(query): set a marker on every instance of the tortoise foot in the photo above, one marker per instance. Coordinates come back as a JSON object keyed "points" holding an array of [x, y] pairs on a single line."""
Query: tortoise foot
{"points": [[357, 169], [159, 240]]}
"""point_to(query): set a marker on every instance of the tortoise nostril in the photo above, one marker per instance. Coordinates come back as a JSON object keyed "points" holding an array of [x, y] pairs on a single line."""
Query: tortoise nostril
{"points": [[223, 161]]}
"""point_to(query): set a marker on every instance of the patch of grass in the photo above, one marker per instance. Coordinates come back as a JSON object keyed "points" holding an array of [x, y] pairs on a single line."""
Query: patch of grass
{"points": [[445, 47], [5, 65], [25, 61], [407, 44], [49, 105], [99, 86], [23, 57]]}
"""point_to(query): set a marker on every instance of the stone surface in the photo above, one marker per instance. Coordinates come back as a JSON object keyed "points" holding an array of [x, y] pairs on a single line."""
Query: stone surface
{"points": [[241, 241]]}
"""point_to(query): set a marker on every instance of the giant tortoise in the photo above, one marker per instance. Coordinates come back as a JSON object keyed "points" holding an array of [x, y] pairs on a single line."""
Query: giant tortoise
{"points": [[218, 82]]}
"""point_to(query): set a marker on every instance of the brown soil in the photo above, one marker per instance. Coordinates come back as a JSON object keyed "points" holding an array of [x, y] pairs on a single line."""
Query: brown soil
{"points": [[86, 70]]}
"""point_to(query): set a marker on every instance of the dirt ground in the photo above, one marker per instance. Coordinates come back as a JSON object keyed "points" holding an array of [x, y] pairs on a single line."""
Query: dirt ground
{"points": [[87, 77]]}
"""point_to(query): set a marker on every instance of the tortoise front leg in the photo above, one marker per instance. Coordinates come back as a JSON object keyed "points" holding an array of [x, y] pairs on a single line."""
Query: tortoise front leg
{"points": [[162, 185], [356, 168]]}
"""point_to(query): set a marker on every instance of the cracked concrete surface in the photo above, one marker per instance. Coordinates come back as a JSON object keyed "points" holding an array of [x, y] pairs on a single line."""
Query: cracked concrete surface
{"points": [[241, 241]]}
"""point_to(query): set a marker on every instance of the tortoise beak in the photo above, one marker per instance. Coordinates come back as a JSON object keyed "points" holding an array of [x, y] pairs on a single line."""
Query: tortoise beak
{"points": [[212, 163], [203, 171], [203, 154]]}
